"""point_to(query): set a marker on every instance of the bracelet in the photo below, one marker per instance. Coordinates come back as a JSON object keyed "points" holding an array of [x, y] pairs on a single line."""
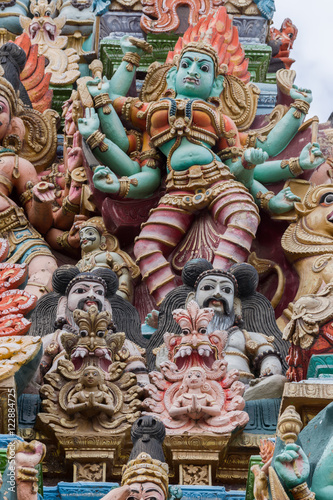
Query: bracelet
{"points": [[137, 137], [96, 139], [300, 107], [260, 358], [124, 187], [27, 195], [63, 241], [302, 492], [295, 167], [103, 101], [133, 59], [246, 165], [68, 206], [264, 199], [232, 153], [125, 184]]}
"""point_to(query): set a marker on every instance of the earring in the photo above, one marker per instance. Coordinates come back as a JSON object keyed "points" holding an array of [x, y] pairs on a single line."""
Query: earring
{"points": [[13, 142]]}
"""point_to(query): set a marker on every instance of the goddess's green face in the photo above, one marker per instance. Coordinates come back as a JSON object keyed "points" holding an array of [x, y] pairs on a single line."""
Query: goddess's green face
{"points": [[195, 76]]}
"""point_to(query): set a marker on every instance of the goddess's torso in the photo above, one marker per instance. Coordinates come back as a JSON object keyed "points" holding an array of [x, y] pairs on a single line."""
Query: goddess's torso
{"points": [[184, 130]]}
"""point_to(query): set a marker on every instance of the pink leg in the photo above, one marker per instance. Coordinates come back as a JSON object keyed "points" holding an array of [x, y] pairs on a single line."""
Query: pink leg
{"points": [[162, 232], [236, 210]]}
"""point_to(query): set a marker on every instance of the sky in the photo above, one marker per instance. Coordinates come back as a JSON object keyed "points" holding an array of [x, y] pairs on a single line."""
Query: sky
{"points": [[313, 49]]}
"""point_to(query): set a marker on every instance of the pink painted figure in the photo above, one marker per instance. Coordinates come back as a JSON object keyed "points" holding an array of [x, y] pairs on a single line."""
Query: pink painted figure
{"points": [[194, 393]]}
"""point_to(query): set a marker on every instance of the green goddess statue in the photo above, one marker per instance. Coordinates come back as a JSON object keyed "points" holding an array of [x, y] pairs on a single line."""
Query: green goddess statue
{"points": [[210, 163]]}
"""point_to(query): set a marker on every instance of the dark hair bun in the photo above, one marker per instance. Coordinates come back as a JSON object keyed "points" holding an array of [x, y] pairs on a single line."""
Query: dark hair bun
{"points": [[62, 276], [193, 269], [110, 278]]}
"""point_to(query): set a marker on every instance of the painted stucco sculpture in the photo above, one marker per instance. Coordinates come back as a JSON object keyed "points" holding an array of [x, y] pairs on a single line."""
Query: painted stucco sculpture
{"points": [[199, 149], [301, 464], [79, 292], [90, 390], [34, 78], [194, 393], [185, 122], [217, 289], [101, 249], [21, 227], [307, 243], [15, 304], [258, 357], [44, 31], [309, 331], [265, 8], [282, 42]]}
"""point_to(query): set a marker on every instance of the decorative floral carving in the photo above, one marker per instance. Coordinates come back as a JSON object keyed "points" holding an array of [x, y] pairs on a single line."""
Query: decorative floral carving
{"points": [[195, 474]]}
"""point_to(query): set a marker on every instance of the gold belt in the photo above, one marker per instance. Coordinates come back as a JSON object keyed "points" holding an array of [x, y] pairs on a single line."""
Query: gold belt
{"points": [[12, 218], [201, 198], [198, 176]]}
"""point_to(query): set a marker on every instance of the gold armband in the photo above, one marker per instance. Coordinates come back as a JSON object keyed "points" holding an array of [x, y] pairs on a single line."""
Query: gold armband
{"points": [[125, 184], [294, 167], [103, 101], [133, 59], [300, 107], [7, 183], [232, 153], [63, 241], [264, 200], [68, 206], [127, 106], [302, 492], [96, 139]]}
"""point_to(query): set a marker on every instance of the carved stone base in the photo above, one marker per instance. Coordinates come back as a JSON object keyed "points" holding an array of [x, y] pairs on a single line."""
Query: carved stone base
{"points": [[195, 459], [91, 456]]}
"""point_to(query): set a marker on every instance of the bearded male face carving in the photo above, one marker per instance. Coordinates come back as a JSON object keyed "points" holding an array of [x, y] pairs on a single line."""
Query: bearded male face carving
{"points": [[218, 292], [85, 294]]}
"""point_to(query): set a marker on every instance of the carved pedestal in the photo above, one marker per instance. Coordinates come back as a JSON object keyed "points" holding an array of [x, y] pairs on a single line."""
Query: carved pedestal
{"points": [[308, 398], [195, 459], [92, 456]]}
